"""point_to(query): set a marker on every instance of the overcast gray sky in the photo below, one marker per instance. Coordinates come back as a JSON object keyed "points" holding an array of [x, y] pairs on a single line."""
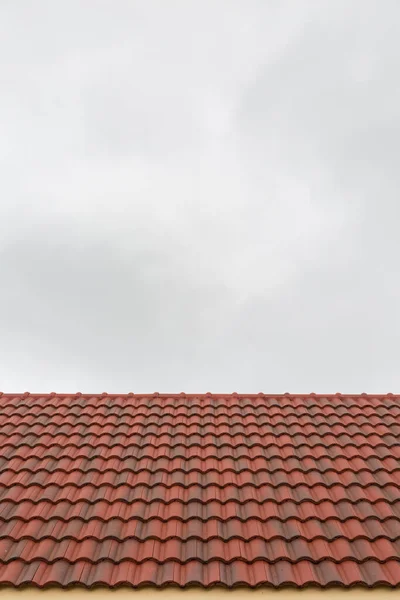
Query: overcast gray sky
{"points": [[200, 196]]}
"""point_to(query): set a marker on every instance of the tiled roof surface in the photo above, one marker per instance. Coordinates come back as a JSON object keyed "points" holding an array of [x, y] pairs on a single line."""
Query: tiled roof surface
{"points": [[206, 489]]}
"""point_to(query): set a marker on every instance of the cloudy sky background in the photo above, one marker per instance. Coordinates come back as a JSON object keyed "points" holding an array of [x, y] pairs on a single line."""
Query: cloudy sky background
{"points": [[200, 196]]}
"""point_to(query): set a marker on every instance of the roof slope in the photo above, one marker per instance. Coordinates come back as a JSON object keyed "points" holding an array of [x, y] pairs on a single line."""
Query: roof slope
{"points": [[206, 489]]}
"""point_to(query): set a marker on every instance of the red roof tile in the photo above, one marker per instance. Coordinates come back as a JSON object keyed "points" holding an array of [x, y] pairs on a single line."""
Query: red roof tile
{"points": [[206, 489]]}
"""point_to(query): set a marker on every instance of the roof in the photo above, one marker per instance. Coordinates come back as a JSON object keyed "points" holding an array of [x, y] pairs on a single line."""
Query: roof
{"points": [[199, 489]]}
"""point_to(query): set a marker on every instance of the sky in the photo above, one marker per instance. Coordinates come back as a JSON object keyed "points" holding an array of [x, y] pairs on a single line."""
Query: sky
{"points": [[200, 196]]}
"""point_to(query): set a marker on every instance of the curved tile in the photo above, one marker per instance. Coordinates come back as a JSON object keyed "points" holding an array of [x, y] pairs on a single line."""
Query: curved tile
{"points": [[207, 489]]}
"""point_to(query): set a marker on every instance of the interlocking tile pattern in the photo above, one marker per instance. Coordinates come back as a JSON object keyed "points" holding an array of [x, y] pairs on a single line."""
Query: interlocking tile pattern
{"points": [[199, 489]]}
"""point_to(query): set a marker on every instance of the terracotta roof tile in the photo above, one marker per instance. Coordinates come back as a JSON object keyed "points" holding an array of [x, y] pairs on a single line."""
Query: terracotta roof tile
{"points": [[208, 489]]}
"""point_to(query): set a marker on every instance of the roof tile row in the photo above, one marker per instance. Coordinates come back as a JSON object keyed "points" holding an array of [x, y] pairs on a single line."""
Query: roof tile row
{"points": [[238, 573], [187, 509], [231, 528]]}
